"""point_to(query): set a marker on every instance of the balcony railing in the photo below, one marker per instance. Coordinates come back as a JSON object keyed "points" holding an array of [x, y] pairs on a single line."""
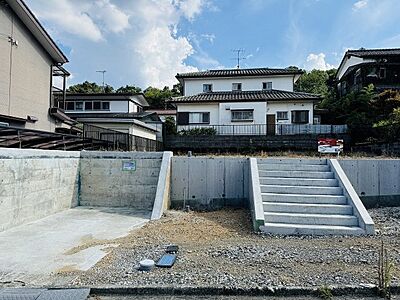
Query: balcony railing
{"points": [[261, 129]]}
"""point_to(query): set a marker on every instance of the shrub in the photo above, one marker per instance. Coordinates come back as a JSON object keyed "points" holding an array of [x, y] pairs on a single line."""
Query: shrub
{"points": [[198, 131]]}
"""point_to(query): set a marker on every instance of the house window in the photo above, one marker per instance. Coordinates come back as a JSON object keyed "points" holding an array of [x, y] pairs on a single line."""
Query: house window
{"points": [[242, 115], [267, 85], [300, 116], [357, 76], [96, 105], [105, 105], [382, 73], [199, 118], [236, 86], [88, 105], [79, 105], [70, 105], [282, 115], [207, 88]]}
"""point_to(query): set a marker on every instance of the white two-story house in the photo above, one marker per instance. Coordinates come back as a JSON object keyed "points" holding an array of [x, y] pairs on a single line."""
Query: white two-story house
{"points": [[120, 112], [244, 101]]}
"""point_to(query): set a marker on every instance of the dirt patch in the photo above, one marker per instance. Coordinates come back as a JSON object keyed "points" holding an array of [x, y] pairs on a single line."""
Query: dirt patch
{"points": [[219, 249]]}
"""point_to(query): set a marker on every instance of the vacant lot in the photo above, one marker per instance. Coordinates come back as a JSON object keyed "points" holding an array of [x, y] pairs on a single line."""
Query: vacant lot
{"points": [[219, 249]]}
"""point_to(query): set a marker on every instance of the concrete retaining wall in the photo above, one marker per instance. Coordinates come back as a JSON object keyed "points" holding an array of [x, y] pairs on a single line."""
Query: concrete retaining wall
{"points": [[212, 182], [104, 182], [376, 181], [209, 183], [35, 184]]}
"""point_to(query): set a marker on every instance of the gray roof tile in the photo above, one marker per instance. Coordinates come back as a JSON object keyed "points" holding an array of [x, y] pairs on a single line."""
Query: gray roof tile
{"points": [[246, 96], [239, 72]]}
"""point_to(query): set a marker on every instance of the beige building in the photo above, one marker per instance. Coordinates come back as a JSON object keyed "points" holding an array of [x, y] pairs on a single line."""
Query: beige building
{"points": [[28, 60]]}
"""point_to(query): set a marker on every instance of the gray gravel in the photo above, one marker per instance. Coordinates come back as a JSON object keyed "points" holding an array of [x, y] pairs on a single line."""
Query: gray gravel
{"points": [[237, 258]]}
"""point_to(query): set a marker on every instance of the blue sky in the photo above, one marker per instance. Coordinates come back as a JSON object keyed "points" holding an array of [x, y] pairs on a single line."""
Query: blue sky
{"points": [[146, 42]]}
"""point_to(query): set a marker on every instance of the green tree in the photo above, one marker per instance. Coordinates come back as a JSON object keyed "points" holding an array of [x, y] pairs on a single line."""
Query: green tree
{"points": [[156, 97], [129, 89], [170, 125], [315, 82], [87, 87]]}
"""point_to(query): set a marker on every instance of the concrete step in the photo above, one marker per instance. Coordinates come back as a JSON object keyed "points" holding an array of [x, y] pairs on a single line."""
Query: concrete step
{"points": [[298, 181], [312, 219], [293, 167], [298, 198], [308, 208], [296, 174], [301, 229], [307, 190], [291, 161]]}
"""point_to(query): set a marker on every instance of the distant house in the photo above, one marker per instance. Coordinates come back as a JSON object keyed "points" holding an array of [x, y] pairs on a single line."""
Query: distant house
{"points": [[120, 112], [29, 59], [359, 68], [164, 113], [244, 101]]}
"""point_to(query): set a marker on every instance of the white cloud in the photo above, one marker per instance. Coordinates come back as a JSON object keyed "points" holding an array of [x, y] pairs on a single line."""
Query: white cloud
{"points": [[114, 19], [68, 16], [317, 61], [160, 65], [151, 50], [360, 4], [203, 59], [208, 37], [191, 8]]}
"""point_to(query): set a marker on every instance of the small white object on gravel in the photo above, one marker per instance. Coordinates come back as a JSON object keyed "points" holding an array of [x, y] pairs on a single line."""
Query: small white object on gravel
{"points": [[146, 265]]}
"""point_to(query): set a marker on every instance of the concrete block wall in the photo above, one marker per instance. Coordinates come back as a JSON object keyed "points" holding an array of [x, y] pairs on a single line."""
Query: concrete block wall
{"points": [[209, 182], [35, 184], [105, 183]]}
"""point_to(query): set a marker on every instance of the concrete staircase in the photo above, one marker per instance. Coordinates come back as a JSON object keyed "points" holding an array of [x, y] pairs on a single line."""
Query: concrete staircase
{"points": [[302, 196]]}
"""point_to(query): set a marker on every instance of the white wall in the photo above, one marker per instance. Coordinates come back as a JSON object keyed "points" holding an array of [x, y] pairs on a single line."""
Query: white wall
{"points": [[195, 86], [353, 60], [143, 132], [274, 107], [225, 116], [212, 108], [219, 115], [115, 107]]}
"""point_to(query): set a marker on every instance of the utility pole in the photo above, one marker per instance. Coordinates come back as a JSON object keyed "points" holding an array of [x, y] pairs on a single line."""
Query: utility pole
{"points": [[102, 71], [238, 57]]}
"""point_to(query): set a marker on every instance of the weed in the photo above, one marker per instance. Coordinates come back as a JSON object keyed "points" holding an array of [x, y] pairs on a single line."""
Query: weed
{"points": [[325, 292]]}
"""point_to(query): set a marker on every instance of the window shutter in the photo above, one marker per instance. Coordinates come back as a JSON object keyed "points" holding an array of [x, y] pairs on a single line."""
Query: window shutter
{"points": [[206, 118], [183, 118]]}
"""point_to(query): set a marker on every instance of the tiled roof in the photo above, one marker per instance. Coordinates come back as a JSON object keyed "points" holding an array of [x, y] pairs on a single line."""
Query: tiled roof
{"points": [[374, 52], [239, 72], [246, 96], [82, 115]]}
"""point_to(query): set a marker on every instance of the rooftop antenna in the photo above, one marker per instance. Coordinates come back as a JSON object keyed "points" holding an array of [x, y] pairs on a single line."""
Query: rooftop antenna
{"points": [[102, 71], [239, 57]]}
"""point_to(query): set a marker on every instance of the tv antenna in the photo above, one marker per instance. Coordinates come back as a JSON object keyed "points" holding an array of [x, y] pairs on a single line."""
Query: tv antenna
{"points": [[102, 71], [239, 56]]}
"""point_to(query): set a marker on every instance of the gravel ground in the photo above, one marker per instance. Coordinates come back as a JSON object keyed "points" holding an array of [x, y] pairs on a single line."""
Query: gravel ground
{"points": [[218, 249], [120, 297]]}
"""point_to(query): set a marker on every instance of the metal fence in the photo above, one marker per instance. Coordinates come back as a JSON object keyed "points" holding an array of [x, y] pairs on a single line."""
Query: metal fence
{"points": [[116, 140], [261, 129]]}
